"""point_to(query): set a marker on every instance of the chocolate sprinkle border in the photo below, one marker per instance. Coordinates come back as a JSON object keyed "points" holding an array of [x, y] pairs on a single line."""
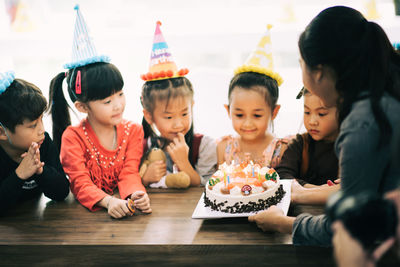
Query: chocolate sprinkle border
{"points": [[252, 206]]}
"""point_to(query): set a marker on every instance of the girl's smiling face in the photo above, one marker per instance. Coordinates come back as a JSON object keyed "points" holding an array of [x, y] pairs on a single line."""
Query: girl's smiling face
{"points": [[250, 114], [171, 117]]}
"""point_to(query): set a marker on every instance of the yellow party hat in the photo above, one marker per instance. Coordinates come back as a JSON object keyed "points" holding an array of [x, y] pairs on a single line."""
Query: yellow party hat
{"points": [[260, 60]]}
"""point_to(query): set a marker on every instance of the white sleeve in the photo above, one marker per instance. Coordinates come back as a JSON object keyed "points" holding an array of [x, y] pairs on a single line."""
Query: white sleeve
{"points": [[207, 162]]}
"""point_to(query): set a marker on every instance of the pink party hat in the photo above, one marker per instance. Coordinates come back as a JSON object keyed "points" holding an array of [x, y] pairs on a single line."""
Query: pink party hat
{"points": [[83, 50], [162, 66]]}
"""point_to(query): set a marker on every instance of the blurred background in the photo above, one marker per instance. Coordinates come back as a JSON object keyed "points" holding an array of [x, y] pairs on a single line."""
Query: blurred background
{"points": [[210, 38]]}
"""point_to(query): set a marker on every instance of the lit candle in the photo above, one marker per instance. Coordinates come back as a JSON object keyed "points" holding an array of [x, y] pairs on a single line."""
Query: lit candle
{"points": [[225, 178]]}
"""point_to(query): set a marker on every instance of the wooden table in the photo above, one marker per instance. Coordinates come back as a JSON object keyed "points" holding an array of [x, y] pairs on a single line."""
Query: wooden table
{"points": [[65, 233]]}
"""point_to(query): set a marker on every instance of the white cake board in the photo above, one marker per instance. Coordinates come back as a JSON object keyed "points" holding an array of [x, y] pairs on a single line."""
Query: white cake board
{"points": [[202, 212]]}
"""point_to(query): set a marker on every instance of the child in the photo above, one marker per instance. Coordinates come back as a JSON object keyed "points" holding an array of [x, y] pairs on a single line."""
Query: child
{"points": [[253, 95], [310, 158], [167, 100], [103, 151], [28, 159]]}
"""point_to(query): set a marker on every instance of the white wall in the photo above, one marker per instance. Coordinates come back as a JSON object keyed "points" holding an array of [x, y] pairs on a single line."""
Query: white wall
{"points": [[209, 37]]}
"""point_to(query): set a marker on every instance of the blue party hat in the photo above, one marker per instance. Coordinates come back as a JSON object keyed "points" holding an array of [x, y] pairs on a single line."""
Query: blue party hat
{"points": [[83, 49], [6, 78]]}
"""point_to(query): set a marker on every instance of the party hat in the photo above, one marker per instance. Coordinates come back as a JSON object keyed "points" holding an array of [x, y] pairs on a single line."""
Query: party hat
{"points": [[162, 66], [6, 78], [260, 60], [83, 49]]}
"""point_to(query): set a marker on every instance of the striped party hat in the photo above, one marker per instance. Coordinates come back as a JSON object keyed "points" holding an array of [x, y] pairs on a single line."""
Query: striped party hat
{"points": [[260, 60], [162, 66], [6, 78], [83, 49]]}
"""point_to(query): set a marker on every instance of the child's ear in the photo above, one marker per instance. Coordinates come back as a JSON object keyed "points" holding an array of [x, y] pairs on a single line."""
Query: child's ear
{"points": [[81, 107], [227, 109], [275, 111], [148, 117]]}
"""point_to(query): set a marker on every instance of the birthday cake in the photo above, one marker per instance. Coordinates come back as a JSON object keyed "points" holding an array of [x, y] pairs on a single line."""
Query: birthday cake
{"points": [[243, 188]]}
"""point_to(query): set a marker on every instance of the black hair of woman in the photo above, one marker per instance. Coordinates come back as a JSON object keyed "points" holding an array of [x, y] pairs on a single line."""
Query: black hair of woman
{"points": [[360, 54]]}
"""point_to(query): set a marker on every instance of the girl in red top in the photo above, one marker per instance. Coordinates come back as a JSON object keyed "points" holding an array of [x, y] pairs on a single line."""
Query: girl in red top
{"points": [[103, 152]]}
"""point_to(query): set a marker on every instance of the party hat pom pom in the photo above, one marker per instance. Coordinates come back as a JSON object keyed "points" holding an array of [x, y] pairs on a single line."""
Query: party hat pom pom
{"points": [[159, 23], [6, 79], [76, 7]]}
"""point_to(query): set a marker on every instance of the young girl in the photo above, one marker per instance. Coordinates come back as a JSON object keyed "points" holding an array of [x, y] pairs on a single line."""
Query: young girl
{"points": [[253, 95], [167, 100], [348, 62], [102, 152], [310, 158], [29, 162], [252, 106]]}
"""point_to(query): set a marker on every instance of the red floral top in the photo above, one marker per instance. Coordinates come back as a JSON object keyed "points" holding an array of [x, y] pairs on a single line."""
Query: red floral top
{"points": [[95, 171]]}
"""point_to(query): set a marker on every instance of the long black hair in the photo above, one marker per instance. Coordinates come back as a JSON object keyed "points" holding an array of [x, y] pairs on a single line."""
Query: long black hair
{"points": [[361, 55], [165, 90], [98, 81]]}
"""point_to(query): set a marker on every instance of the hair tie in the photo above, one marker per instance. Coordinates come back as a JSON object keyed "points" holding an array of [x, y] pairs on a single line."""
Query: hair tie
{"points": [[78, 89]]}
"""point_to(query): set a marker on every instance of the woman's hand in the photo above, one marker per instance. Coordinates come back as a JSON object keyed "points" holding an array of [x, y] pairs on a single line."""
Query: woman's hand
{"points": [[273, 219], [155, 171], [179, 151], [142, 201]]}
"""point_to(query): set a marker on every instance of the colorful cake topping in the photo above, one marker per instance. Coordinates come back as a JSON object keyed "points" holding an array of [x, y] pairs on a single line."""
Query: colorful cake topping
{"points": [[246, 190]]}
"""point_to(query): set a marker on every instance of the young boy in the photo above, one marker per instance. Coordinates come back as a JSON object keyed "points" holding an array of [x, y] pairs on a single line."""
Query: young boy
{"points": [[310, 158], [29, 162]]}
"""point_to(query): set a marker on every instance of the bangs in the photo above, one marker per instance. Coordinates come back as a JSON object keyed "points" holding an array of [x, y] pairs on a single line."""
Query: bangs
{"points": [[99, 80], [164, 90]]}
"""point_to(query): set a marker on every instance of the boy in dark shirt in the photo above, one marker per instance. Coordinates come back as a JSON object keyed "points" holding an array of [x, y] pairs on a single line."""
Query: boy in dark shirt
{"points": [[310, 158], [29, 162]]}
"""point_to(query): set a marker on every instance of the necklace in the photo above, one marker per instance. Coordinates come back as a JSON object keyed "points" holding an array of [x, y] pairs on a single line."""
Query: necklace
{"points": [[101, 160]]}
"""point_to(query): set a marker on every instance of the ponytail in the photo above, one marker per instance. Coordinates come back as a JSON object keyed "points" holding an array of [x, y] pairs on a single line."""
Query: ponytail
{"points": [[58, 108], [362, 57]]}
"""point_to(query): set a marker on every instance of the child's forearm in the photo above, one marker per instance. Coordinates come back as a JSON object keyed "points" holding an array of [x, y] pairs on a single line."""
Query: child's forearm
{"points": [[194, 176], [105, 202], [316, 195]]}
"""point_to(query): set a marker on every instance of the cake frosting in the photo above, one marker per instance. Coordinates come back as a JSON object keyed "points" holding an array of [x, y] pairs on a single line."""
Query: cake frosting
{"points": [[243, 188]]}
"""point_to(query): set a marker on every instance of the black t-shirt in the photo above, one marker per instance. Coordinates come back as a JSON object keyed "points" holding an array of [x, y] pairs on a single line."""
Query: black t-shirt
{"points": [[52, 182]]}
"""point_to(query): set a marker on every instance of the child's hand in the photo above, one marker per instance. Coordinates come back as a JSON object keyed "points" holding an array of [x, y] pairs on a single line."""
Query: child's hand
{"points": [[30, 163], [142, 201], [117, 208], [179, 151], [155, 171]]}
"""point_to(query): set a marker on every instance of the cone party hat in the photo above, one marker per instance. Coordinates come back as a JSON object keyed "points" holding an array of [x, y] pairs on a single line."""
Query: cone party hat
{"points": [[260, 60], [162, 66], [83, 50]]}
